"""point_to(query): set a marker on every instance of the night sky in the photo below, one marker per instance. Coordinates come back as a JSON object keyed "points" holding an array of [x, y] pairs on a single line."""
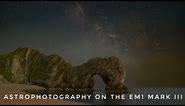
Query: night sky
{"points": [[147, 36]]}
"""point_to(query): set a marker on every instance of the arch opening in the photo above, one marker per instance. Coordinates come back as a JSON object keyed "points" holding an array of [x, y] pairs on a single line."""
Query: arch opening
{"points": [[98, 84]]}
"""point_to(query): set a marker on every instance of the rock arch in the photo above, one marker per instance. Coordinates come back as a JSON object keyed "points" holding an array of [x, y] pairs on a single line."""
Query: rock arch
{"points": [[81, 78], [29, 66], [109, 69]]}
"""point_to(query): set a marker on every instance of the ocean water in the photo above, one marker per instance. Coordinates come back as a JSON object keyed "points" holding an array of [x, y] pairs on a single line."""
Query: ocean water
{"points": [[144, 96], [136, 96]]}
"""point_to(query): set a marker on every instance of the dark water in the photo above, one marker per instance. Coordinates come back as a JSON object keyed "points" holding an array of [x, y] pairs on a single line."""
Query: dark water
{"points": [[139, 96], [138, 99], [136, 96]]}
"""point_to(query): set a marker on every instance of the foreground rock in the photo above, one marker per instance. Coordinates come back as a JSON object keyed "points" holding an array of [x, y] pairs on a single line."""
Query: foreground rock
{"points": [[28, 66]]}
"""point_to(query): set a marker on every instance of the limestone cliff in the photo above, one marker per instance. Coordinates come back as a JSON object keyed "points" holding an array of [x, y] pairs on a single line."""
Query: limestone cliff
{"points": [[28, 66]]}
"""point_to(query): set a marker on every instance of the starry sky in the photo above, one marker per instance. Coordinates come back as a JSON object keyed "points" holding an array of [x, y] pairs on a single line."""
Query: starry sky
{"points": [[147, 36]]}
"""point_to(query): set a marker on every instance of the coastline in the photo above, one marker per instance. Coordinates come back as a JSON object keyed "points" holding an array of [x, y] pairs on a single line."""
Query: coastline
{"points": [[6, 89]]}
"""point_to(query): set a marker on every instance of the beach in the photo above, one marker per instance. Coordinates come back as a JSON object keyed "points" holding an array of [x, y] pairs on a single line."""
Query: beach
{"points": [[7, 89]]}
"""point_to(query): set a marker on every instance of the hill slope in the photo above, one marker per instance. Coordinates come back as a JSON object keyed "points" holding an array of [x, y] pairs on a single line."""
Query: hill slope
{"points": [[29, 66]]}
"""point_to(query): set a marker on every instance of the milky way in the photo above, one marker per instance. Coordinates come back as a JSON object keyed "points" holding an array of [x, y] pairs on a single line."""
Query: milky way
{"points": [[148, 37]]}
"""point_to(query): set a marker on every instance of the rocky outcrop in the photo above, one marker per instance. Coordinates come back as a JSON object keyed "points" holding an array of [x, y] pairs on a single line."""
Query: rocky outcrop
{"points": [[28, 66]]}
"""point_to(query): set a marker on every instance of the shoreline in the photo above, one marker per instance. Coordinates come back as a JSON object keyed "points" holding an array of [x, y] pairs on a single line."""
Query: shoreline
{"points": [[6, 89]]}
